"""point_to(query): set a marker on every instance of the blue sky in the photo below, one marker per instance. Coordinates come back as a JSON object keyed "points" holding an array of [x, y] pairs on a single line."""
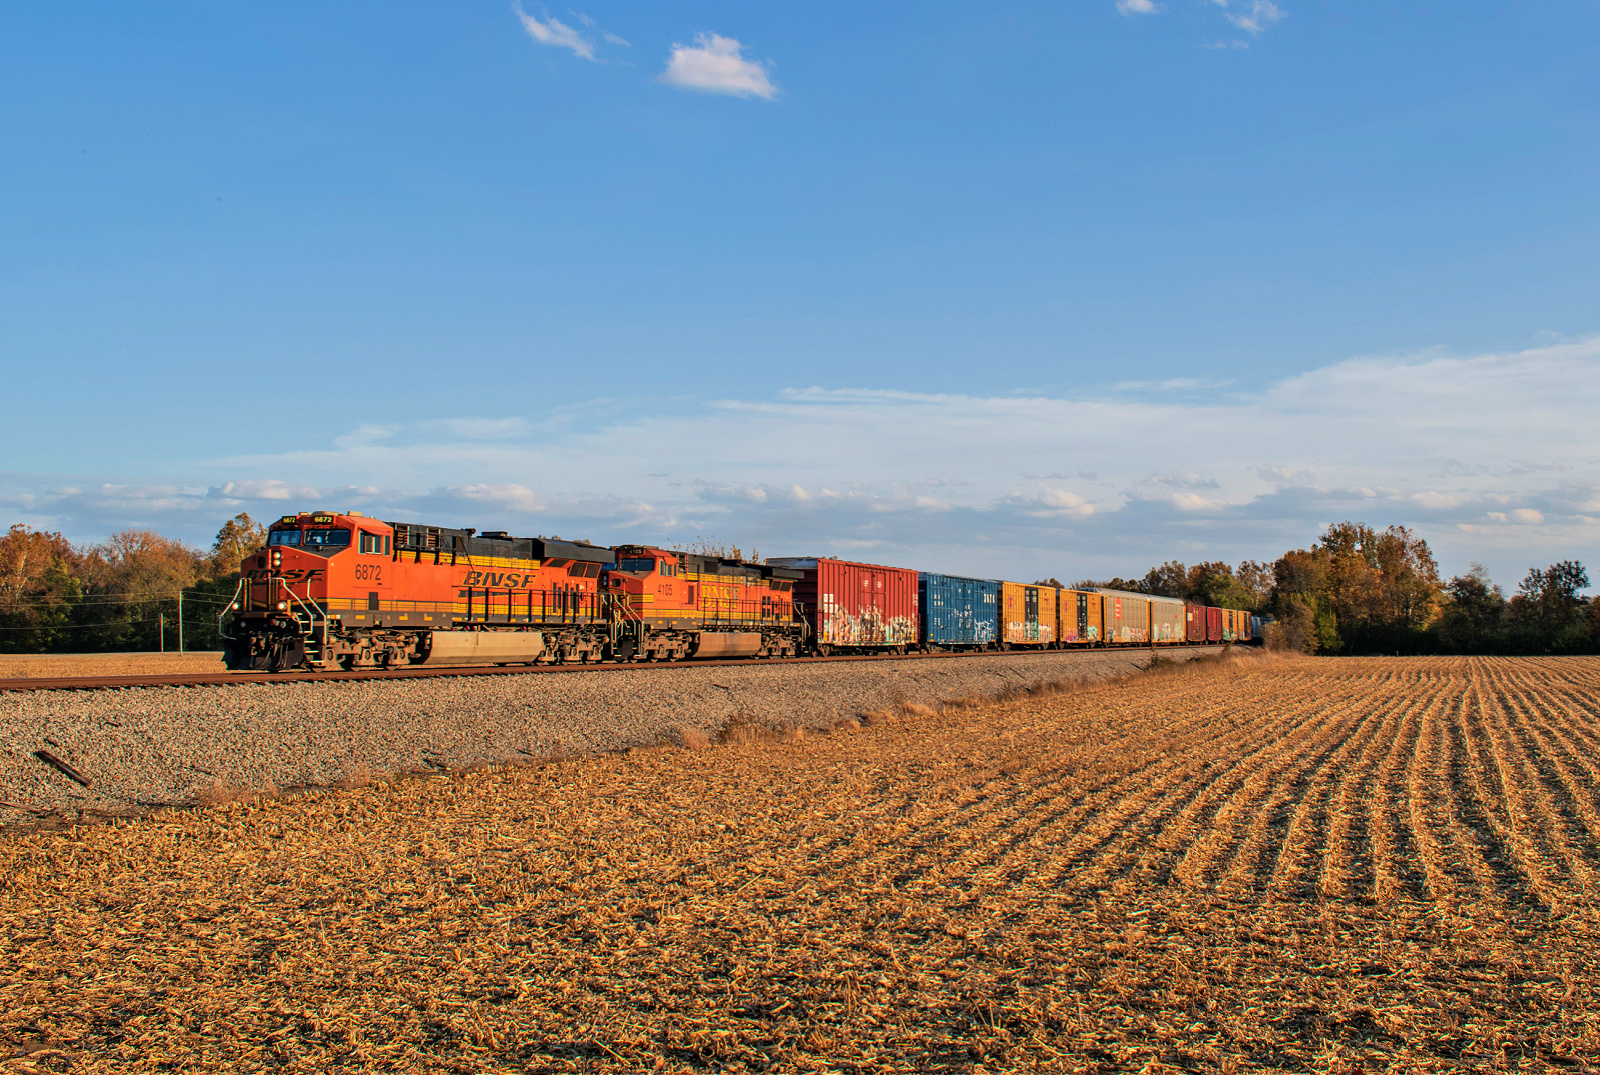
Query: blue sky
{"points": [[1023, 289]]}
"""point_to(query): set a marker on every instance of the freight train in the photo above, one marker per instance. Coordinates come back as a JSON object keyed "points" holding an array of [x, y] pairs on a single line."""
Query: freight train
{"points": [[343, 591]]}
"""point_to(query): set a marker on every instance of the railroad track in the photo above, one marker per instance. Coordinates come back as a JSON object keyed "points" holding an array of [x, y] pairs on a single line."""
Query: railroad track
{"points": [[210, 679]]}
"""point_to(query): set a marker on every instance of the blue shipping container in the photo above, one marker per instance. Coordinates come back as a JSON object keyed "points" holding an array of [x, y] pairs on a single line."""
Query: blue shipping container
{"points": [[958, 611]]}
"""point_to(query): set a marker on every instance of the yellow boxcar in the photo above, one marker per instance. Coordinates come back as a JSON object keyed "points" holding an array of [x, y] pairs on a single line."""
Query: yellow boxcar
{"points": [[1080, 621], [1028, 615]]}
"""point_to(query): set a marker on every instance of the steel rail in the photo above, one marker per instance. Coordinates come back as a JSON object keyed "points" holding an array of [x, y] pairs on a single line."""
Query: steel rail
{"points": [[211, 679]]}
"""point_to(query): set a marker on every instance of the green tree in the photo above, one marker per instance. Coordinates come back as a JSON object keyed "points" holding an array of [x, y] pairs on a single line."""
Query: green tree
{"points": [[1473, 616], [1256, 579], [1548, 611], [1171, 579]]}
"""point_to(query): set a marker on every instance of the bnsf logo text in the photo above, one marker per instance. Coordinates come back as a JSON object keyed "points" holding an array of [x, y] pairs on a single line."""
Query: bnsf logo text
{"points": [[293, 574], [502, 580]]}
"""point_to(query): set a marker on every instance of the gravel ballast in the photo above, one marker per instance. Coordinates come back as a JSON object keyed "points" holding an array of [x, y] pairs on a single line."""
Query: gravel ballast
{"points": [[148, 747]]}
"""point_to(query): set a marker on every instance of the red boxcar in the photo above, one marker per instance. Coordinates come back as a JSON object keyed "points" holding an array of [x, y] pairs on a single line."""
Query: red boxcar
{"points": [[1194, 623], [851, 606], [1213, 625]]}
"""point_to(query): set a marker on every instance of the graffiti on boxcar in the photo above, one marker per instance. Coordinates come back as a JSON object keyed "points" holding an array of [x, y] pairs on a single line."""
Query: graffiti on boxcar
{"points": [[868, 627]]}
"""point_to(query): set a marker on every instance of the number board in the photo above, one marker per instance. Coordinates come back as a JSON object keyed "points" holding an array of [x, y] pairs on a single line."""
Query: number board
{"points": [[322, 518]]}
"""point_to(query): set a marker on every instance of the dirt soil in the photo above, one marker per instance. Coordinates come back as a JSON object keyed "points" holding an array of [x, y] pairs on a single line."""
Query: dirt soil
{"points": [[109, 664], [1259, 864]]}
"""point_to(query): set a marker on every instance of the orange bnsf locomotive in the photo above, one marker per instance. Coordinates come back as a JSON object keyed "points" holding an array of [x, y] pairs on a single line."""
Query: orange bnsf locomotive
{"points": [[344, 591]]}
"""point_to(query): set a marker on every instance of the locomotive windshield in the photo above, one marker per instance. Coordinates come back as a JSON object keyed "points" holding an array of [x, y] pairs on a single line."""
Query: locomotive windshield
{"points": [[284, 537], [327, 537], [642, 563]]}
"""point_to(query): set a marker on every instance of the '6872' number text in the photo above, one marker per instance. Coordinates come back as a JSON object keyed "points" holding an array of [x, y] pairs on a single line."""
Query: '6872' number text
{"points": [[373, 572]]}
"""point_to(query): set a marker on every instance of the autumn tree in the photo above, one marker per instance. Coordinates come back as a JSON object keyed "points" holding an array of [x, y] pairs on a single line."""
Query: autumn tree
{"points": [[1367, 590], [39, 590], [239, 537], [132, 584]]}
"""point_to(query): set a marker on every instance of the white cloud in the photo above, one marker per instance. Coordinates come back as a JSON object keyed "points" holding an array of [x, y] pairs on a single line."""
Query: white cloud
{"points": [[1491, 457], [1137, 7], [1251, 16], [716, 64], [552, 31], [264, 489], [591, 24]]}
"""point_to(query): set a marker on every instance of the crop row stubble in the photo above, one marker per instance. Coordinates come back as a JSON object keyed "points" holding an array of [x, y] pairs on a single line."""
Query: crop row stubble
{"points": [[1276, 864]]}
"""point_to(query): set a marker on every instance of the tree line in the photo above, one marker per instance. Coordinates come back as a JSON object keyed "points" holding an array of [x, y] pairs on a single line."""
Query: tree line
{"points": [[1362, 590], [123, 594], [1355, 590]]}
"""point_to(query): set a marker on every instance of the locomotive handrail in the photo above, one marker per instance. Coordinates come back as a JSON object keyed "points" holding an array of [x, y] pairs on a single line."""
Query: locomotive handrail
{"points": [[484, 604], [233, 603], [313, 612]]}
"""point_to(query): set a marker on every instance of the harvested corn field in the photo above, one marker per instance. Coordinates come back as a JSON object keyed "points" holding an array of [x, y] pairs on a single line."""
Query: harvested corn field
{"points": [[108, 664], [1256, 864]]}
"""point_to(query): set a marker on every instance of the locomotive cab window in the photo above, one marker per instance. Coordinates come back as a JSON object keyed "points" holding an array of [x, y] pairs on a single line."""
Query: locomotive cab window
{"points": [[335, 537], [646, 564], [284, 537]]}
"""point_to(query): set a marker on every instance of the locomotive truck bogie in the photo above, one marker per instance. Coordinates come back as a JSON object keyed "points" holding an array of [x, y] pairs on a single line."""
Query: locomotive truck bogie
{"points": [[263, 643]]}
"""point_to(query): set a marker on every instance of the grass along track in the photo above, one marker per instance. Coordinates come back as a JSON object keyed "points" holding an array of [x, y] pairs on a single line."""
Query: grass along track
{"points": [[1263, 864]]}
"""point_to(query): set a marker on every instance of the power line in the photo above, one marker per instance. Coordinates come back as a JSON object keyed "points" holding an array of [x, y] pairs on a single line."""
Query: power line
{"points": [[115, 599]]}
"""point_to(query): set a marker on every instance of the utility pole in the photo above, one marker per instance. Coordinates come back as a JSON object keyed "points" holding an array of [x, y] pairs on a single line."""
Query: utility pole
{"points": [[180, 621]]}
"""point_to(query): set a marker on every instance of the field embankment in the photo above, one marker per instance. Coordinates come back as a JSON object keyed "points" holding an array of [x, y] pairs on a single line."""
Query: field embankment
{"points": [[1295, 864], [46, 665], [146, 747]]}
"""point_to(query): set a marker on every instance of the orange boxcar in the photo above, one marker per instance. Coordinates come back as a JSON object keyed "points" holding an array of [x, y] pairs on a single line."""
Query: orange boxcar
{"points": [[1028, 615], [1080, 620]]}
